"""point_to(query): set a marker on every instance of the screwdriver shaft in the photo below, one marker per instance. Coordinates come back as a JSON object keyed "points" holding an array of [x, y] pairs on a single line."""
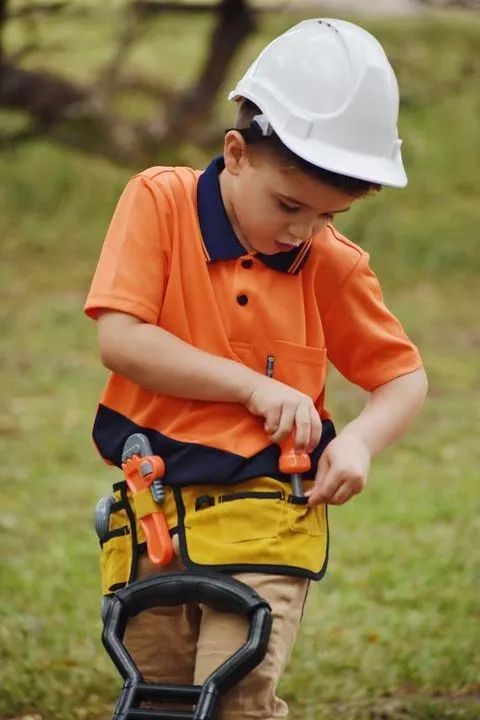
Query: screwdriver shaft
{"points": [[297, 485]]}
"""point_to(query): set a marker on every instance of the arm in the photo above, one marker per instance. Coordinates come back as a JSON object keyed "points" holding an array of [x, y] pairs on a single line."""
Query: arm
{"points": [[389, 411], [344, 466], [159, 361]]}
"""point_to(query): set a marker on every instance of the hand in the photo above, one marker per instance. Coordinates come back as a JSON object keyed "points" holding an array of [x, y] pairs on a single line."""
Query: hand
{"points": [[342, 471], [284, 410]]}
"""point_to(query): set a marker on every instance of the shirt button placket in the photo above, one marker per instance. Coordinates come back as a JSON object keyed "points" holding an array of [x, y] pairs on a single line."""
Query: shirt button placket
{"points": [[244, 286]]}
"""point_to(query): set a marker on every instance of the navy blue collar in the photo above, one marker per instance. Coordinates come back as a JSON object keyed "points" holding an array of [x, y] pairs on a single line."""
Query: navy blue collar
{"points": [[220, 242]]}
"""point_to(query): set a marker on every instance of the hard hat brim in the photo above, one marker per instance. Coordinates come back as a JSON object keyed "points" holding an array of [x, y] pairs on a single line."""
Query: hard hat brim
{"points": [[384, 171]]}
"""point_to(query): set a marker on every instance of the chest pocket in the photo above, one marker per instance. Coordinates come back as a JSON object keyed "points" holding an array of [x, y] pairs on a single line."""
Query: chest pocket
{"points": [[300, 366]]}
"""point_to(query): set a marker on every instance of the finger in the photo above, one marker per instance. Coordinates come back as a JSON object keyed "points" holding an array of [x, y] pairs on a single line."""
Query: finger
{"points": [[285, 424], [315, 429], [343, 494], [322, 469], [272, 420], [303, 427], [326, 487], [332, 483], [322, 472]]}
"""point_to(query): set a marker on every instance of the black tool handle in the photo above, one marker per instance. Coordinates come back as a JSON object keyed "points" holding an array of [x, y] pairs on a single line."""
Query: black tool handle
{"points": [[220, 592]]}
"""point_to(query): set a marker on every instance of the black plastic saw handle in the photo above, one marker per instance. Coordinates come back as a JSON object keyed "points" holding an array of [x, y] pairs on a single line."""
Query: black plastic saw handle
{"points": [[223, 594]]}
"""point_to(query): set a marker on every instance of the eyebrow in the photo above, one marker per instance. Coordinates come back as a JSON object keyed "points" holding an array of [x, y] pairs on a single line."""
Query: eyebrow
{"points": [[302, 204]]}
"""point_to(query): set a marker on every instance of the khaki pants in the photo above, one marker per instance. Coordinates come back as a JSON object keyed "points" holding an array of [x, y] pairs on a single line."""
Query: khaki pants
{"points": [[184, 644]]}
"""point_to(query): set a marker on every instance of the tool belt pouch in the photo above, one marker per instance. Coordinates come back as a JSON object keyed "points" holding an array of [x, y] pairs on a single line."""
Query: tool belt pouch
{"points": [[252, 526], [122, 544]]}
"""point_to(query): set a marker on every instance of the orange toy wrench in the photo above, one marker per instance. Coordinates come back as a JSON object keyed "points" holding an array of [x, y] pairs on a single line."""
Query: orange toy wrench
{"points": [[294, 463], [144, 472]]}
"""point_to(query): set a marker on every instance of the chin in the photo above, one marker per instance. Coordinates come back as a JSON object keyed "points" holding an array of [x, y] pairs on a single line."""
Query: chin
{"points": [[264, 248], [271, 248], [269, 251]]}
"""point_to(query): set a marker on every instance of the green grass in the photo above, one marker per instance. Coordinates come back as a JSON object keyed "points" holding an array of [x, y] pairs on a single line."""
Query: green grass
{"points": [[392, 633]]}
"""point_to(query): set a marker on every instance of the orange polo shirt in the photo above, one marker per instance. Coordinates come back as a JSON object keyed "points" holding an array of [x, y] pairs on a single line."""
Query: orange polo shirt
{"points": [[171, 258]]}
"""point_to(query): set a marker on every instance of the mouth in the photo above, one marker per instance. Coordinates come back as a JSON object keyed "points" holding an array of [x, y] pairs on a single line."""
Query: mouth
{"points": [[286, 245]]}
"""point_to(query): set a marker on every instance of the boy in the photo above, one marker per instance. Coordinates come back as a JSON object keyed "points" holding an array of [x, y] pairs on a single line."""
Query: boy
{"points": [[219, 297]]}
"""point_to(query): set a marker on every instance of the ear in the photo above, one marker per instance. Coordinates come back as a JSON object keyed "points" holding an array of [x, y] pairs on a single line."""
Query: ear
{"points": [[235, 152]]}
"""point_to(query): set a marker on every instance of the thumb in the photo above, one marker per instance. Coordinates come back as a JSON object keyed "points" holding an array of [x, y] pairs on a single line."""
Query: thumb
{"points": [[322, 470]]}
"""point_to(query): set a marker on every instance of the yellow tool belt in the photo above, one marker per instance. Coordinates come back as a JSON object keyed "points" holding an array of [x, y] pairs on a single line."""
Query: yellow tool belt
{"points": [[249, 526]]}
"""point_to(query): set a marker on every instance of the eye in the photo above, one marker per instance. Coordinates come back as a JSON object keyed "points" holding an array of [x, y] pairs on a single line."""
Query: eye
{"points": [[328, 217], [288, 208]]}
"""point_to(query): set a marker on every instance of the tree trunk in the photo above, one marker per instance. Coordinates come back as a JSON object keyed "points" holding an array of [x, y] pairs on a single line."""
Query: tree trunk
{"points": [[235, 22]]}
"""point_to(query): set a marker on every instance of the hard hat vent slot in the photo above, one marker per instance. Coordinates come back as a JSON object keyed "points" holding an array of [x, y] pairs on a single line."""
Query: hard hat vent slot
{"points": [[329, 25]]}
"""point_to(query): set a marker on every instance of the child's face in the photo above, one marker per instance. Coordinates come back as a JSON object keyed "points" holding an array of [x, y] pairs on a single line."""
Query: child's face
{"points": [[272, 207]]}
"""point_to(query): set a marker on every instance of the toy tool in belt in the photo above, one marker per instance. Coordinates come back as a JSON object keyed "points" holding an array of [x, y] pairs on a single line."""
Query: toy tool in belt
{"points": [[144, 473], [294, 463]]}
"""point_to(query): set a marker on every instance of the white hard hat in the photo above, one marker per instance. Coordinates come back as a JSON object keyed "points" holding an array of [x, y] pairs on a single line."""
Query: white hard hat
{"points": [[328, 91]]}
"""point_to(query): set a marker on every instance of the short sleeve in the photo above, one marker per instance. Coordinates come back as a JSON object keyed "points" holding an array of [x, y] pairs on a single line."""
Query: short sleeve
{"points": [[131, 273], [365, 342]]}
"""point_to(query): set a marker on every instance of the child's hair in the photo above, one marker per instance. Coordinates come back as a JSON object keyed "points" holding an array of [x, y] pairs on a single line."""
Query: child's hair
{"points": [[247, 110]]}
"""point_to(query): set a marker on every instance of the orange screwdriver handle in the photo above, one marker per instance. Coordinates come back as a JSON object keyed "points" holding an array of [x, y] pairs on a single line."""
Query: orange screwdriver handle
{"points": [[291, 460]]}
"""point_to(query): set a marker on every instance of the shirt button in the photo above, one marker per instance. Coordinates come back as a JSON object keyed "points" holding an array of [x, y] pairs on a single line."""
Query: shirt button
{"points": [[242, 299], [247, 263]]}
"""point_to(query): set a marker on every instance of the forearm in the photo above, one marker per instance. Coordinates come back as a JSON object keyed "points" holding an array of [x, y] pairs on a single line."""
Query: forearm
{"points": [[161, 362], [389, 411]]}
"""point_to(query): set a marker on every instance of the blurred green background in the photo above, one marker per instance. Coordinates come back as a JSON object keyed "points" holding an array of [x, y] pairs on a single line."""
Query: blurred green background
{"points": [[393, 631]]}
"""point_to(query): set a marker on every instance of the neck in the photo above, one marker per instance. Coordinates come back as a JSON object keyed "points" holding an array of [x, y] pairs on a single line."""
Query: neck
{"points": [[226, 192]]}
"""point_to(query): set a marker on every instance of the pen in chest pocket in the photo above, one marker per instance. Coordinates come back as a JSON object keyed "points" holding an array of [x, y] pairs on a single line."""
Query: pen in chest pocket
{"points": [[270, 365]]}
